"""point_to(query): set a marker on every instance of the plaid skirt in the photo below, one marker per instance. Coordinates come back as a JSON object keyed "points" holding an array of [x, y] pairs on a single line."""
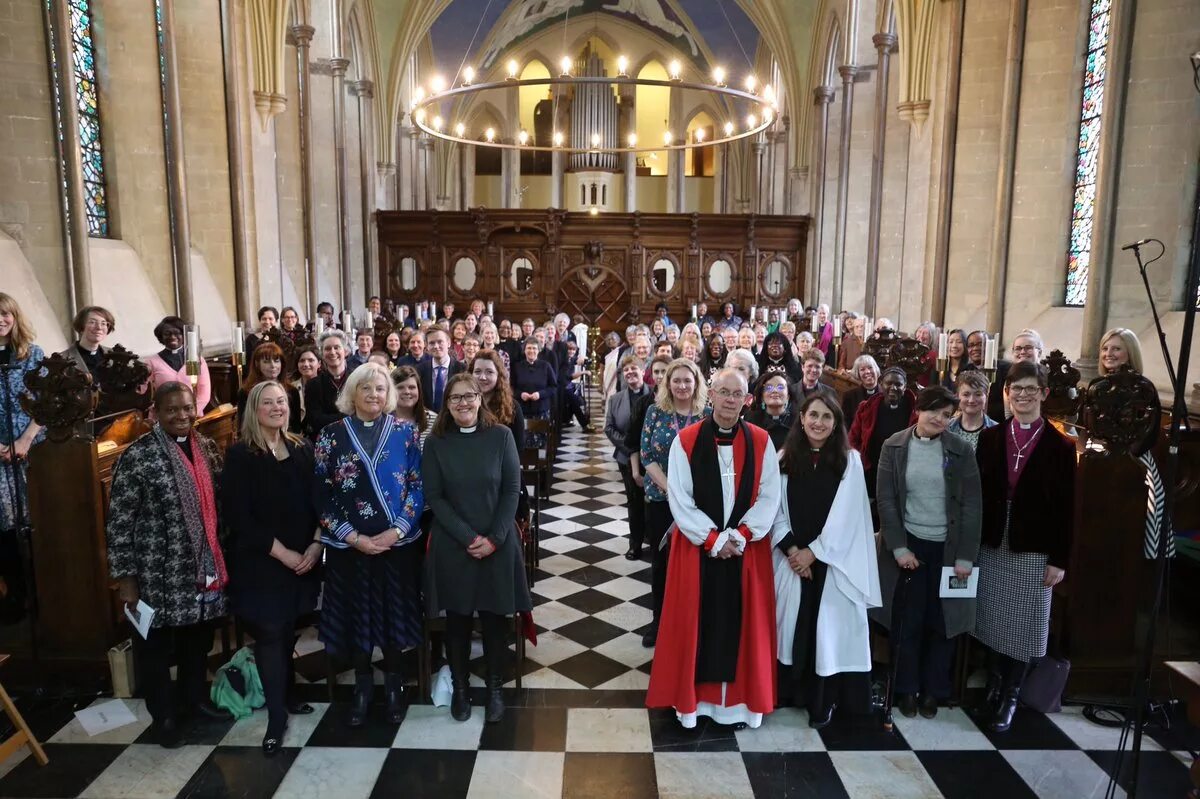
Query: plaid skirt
{"points": [[1012, 614], [371, 600]]}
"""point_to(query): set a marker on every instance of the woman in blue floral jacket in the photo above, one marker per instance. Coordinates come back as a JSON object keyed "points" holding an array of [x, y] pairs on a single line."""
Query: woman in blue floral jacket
{"points": [[369, 495]]}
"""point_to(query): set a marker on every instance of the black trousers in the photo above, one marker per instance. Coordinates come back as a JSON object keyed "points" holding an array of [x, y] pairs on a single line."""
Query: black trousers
{"points": [[152, 658], [573, 405], [658, 521], [273, 648], [635, 501], [459, 627], [923, 653]]}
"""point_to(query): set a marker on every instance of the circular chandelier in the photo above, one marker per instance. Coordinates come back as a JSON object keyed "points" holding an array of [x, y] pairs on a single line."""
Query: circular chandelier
{"points": [[759, 101]]}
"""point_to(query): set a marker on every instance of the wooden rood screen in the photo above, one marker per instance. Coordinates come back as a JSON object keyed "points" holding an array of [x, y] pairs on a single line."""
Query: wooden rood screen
{"points": [[611, 268]]}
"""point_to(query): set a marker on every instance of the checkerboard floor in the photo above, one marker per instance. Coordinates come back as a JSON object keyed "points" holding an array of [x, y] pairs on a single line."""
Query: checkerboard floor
{"points": [[578, 727]]}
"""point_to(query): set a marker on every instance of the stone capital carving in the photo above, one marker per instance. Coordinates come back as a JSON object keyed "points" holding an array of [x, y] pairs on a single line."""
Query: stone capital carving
{"points": [[884, 42], [386, 169], [338, 66], [823, 95], [847, 71], [363, 88], [303, 34]]}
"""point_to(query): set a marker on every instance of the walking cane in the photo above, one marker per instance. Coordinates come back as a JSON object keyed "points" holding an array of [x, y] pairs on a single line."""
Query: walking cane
{"points": [[902, 597]]}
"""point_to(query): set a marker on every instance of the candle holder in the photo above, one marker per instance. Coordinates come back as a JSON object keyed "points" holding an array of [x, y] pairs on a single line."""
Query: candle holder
{"points": [[191, 353], [238, 348]]}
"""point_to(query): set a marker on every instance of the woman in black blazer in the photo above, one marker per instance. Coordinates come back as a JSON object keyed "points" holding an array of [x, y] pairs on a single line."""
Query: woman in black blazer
{"points": [[1027, 476], [534, 381], [273, 548]]}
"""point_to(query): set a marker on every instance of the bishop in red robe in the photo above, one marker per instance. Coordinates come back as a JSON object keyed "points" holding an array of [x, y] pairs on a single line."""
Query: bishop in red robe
{"points": [[715, 654]]}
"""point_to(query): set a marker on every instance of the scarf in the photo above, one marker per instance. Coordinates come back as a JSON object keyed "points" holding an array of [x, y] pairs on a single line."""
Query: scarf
{"points": [[706, 476], [826, 337], [193, 483]]}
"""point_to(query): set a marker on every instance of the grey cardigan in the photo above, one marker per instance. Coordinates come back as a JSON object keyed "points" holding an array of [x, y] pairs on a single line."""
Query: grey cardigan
{"points": [[964, 511], [616, 423]]}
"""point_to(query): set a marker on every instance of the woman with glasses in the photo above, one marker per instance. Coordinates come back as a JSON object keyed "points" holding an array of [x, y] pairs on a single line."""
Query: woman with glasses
{"points": [[772, 409], [369, 495], [472, 483], [1027, 471], [163, 550], [680, 400], [533, 381]]}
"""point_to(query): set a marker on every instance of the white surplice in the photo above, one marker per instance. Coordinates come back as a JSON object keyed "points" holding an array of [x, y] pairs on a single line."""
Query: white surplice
{"points": [[847, 546], [696, 526]]}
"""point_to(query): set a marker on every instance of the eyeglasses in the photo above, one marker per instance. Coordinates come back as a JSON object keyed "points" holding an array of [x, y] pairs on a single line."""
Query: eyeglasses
{"points": [[462, 399], [1024, 391], [721, 393], [1024, 348], [774, 389]]}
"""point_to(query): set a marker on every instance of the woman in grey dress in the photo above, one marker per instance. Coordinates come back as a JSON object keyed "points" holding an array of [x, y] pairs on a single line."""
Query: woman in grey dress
{"points": [[472, 478], [1027, 475]]}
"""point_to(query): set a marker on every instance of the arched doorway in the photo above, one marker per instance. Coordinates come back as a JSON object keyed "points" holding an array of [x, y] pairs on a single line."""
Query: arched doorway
{"points": [[598, 294]]}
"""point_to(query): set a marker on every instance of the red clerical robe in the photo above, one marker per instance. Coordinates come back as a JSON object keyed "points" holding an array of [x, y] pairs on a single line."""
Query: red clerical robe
{"points": [[749, 694]]}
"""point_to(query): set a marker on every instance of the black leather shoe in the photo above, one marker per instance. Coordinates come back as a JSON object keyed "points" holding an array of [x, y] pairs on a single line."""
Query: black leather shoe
{"points": [[300, 708], [166, 732], [650, 638], [929, 706], [820, 722], [907, 704], [1003, 717], [460, 705], [397, 700], [207, 710], [271, 744], [633, 554], [363, 686], [494, 710]]}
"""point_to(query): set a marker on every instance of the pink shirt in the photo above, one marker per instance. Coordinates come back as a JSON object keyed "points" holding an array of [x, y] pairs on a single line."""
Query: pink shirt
{"points": [[161, 372]]}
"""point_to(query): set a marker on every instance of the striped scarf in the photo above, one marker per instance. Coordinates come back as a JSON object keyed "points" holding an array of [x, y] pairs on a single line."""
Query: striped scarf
{"points": [[193, 483], [1155, 518]]}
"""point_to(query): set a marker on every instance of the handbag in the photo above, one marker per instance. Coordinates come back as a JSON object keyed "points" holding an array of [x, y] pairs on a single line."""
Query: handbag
{"points": [[1044, 685]]}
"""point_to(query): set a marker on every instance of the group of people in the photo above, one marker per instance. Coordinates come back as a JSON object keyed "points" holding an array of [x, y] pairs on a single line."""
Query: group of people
{"points": [[390, 485], [748, 461]]}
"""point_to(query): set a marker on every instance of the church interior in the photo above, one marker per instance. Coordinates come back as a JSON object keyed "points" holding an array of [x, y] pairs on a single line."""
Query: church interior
{"points": [[887, 173]]}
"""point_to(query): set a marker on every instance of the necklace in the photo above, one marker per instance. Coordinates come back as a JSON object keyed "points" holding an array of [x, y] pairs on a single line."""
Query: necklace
{"points": [[1022, 447], [687, 421]]}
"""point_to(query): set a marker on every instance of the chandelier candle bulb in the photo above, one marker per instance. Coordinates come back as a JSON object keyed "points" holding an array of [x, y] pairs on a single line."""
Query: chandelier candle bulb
{"points": [[513, 66], [595, 139], [719, 76], [437, 123], [667, 137], [558, 139], [468, 75], [699, 135], [751, 121], [523, 138], [438, 84], [675, 69], [565, 65], [622, 66], [751, 84], [490, 134], [460, 129], [728, 128]]}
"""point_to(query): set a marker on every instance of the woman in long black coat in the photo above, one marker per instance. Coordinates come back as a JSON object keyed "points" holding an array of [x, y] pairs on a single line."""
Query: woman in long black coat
{"points": [[274, 543], [472, 479]]}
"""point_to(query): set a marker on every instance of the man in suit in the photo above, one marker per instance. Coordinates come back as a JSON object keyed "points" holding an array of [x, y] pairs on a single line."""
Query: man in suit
{"points": [[438, 368], [416, 350]]}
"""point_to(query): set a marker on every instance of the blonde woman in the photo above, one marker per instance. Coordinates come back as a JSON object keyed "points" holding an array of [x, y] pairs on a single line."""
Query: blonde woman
{"points": [[1118, 347], [18, 432], [680, 400]]}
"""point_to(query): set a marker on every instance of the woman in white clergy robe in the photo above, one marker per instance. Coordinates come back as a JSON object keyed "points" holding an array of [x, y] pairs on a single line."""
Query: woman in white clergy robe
{"points": [[826, 572]]}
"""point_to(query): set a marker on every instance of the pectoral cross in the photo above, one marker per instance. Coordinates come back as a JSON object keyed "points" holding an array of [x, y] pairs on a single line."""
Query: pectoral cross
{"points": [[731, 473], [1017, 465]]}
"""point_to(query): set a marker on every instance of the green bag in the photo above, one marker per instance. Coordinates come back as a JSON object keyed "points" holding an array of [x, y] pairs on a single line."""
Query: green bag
{"points": [[237, 687]]}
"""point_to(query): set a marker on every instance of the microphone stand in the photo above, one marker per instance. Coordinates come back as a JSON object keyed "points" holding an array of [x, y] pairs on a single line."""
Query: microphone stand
{"points": [[1170, 475]]}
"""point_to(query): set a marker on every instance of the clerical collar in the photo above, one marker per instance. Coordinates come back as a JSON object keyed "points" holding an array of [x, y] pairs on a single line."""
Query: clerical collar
{"points": [[470, 429], [920, 437], [85, 350], [181, 439], [1026, 425], [176, 351]]}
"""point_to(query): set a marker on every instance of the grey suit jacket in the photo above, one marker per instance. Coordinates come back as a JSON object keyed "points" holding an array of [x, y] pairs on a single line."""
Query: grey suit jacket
{"points": [[616, 422], [72, 353]]}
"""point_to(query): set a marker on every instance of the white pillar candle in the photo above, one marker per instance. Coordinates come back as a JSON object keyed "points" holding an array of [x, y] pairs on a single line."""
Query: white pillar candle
{"points": [[695, 313], [239, 339], [433, 309], [837, 327], [319, 325], [814, 326], [347, 322], [943, 345], [192, 340], [753, 312], [490, 308]]}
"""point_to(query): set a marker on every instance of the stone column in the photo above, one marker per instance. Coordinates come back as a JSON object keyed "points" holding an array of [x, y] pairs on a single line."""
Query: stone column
{"points": [[630, 159], [847, 71], [680, 168], [719, 154], [884, 42], [80, 288], [414, 173], [515, 198], [556, 179], [429, 157], [822, 97], [1010, 110], [303, 35], [364, 90], [245, 270], [468, 181], [758, 149], [176, 173], [338, 68], [945, 200]]}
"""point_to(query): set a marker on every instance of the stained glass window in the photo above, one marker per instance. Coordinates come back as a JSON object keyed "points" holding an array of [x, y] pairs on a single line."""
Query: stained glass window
{"points": [[87, 100], [1079, 250]]}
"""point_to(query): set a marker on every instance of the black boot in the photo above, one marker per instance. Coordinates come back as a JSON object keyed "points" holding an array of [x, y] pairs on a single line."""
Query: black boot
{"points": [[397, 700], [458, 654], [495, 700], [364, 684], [991, 693], [1003, 717]]}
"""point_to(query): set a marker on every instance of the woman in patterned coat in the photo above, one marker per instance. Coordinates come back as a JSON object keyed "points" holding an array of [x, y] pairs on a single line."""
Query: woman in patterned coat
{"points": [[369, 496], [163, 549]]}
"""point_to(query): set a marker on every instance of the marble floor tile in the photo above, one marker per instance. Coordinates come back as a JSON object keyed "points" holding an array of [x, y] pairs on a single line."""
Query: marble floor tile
{"points": [[624, 588], [147, 771], [552, 648], [562, 511], [626, 649], [74, 733], [609, 775], [952, 728], [332, 773], [1159, 774], [239, 771], [1087, 734], [72, 768], [974, 775], [553, 614], [884, 775], [517, 775], [428, 727], [547, 678], [250, 730], [445, 774], [1060, 774], [785, 730], [708, 775], [619, 565], [794, 775], [527, 729], [608, 730], [626, 615], [629, 681]]}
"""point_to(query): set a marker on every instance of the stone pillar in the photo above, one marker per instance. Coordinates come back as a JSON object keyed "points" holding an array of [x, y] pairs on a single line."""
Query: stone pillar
{"points": [[303, 35], [847, 71], [680, 168], [176, 173], [80, 288], [941, 244], [338, 68], [758, 149], [630, 161], [364, 90], [884, 42], [468, 179], [556, 180], [413, 175], [719, 154], [1010, 111], [245, 270], [429, 157], [822, 97], [515, 198]]}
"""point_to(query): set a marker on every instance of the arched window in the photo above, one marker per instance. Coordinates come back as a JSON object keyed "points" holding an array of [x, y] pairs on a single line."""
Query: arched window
{"points": [[87, 100], [1079, 248]]}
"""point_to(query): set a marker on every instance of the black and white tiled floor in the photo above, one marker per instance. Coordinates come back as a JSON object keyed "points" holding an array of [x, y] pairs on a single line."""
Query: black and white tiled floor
{"points": [[579, 728]]}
